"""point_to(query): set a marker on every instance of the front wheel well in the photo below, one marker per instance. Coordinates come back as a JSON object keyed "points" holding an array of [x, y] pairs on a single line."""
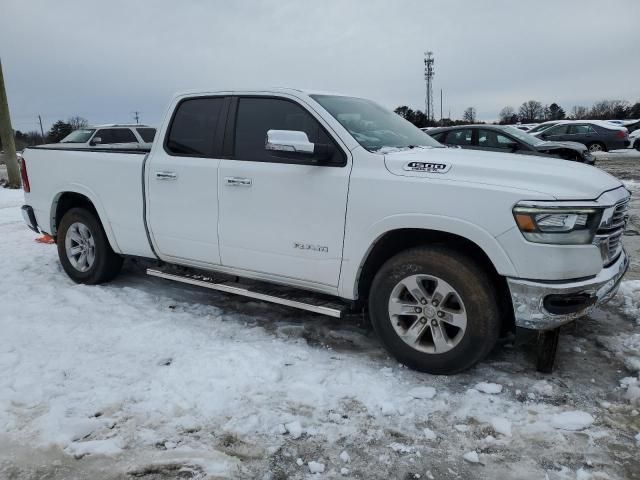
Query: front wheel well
{"points": [[396, 241]]}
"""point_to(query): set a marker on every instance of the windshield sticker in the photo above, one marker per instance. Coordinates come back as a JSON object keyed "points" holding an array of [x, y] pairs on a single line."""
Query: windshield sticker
{"points": [[427, 167]]}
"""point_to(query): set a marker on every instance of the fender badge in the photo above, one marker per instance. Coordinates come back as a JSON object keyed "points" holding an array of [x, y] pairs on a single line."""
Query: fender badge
{"points": [[427, 167]]}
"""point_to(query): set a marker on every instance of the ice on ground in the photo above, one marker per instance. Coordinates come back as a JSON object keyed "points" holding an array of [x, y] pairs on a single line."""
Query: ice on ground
{"points": [[344, 456], [108, 447], [501, 425], [401, 448], [423, 392], [637, 437], [471, 457], [429, 434], [487, 387], [299, 462], [316, 467], [573, 421], [344, 471], [294, 429]]}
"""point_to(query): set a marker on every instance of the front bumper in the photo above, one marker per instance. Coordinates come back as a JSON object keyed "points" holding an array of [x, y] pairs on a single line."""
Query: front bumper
{"points": [[548, 305], [30, 218]]}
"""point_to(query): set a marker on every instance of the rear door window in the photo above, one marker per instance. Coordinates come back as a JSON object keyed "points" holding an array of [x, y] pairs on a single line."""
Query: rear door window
{"points": [[192, 130], [109, 136], [580, 130], [460, 137], [557, 130], [492, 139]]}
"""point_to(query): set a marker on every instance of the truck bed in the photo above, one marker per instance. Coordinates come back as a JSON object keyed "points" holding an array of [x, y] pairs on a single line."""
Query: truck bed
{"points": [[112, 180]]}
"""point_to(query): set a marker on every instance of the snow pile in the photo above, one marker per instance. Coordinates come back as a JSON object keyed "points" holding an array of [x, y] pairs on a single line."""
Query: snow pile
{"points": [[626, 347], [628, 298], [572, 421]]}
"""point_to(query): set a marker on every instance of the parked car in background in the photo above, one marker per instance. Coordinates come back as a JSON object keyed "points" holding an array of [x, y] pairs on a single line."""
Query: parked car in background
{"points": [[112, 136], [632, 125], [634, 139], [597, 135], [543, 126], [507, 139]]}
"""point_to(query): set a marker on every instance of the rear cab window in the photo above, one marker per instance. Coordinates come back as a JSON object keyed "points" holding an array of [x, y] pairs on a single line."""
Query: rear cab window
{"points": [[109, 136]]}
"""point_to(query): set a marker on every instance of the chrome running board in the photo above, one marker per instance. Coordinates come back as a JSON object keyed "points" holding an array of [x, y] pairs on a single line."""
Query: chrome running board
{"points": [[273, 294]]}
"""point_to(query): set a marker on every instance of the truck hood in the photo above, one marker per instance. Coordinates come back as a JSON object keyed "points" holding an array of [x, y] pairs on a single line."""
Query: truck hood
{"points": [[552, 177]]}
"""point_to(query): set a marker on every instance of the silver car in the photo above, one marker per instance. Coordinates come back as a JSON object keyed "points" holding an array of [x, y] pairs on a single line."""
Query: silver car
{"points": [[112, 136]]}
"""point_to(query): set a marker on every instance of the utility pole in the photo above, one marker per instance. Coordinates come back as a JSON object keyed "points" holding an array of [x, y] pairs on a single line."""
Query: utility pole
{"points": [[428, 76], [6, 134], [41, 129], [136, 115], [440, 106]]}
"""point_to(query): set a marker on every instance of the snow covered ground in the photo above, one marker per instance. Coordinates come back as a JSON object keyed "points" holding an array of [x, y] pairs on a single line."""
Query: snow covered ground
{"points": [[146, 379]]}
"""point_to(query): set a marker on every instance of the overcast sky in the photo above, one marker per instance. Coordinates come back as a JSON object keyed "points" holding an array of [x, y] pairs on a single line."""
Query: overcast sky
{"points": [[103, 60]]}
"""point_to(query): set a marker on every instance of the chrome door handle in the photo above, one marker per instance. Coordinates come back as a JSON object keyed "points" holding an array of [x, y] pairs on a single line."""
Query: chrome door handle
{"points": [[237, 182], [166, 175]]}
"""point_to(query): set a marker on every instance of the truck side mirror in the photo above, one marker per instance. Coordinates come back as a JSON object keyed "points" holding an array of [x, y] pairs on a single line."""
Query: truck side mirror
{"points": [[95, 141], [296, 144], [289, 141]]}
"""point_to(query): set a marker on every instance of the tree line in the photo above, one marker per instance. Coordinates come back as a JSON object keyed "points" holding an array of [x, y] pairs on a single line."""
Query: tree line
{"points": [[57, 132], [533, 111]]}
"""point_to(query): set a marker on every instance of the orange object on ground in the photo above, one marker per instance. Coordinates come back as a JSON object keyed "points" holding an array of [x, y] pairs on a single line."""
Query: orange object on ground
{"points": [[45, 239]]}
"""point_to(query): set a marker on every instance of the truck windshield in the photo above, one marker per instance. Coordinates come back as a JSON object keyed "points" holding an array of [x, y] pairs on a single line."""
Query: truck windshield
{"points": [[78, 136], [374, 127]]}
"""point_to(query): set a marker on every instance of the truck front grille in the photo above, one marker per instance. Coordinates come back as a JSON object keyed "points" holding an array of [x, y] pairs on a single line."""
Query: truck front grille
{"points": [[609, 235]]}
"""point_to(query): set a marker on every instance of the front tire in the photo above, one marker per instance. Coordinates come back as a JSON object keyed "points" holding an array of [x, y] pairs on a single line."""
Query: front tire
{"points": [[84, 250], [435, 310]]}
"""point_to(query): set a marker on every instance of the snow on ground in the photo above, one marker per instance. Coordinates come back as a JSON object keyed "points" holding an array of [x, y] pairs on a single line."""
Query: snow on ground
{"points": [[157, 380]]}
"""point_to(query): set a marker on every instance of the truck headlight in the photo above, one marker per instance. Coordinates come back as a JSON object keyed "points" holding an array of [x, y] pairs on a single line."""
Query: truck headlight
{"points": [[563, 226]]}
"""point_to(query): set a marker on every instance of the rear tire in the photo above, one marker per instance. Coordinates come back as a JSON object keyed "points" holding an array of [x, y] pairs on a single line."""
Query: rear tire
{"points": [[435, 310], [84, 250], [597, 147]]}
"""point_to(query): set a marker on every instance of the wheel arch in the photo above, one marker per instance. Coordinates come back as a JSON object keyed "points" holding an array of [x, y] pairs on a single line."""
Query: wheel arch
{"points": [[67, 199], [397, 240]]}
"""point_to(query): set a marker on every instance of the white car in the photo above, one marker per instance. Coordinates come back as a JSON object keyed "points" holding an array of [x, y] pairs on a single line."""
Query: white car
{"points": [[111, 136], [334, 204], [634, 139]]}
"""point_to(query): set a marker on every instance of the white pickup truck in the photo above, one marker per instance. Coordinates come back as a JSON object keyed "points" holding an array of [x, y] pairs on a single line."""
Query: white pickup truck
{"points": [[332, 204]]}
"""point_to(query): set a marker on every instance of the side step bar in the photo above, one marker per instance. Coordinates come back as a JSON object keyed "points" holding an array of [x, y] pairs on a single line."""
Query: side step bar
{"points": [[332, 310]]}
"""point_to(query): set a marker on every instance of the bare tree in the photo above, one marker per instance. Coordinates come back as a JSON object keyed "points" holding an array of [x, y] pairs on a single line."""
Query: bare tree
{"points": [[578, 112], [469, 115], [531, 111], [508, 115], [78, 122]]}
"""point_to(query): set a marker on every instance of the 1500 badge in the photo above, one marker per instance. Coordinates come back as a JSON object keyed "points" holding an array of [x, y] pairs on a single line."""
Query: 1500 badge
{"points": [[427, 167]]}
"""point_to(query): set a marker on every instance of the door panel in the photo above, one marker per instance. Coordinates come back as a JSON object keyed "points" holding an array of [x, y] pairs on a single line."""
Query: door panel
{"points": [[182, 184], [281, 217]]}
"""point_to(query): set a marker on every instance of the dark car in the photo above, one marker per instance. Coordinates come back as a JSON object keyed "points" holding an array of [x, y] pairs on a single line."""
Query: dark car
{"points": [[503, 138], [598, 136]]}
